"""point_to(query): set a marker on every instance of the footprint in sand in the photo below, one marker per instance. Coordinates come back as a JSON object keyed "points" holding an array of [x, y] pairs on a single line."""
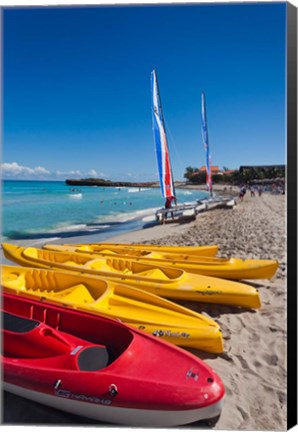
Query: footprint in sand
{"points": [[243, 362], [271, 359], [243, 413]]}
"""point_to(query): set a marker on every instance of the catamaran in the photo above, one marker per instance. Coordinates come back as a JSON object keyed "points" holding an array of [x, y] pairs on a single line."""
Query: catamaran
{"points": [[212, 201], [164, 163]]}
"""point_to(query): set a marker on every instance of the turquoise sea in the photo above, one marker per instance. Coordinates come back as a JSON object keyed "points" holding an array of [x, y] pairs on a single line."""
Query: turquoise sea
{"points": [[53, 210]]}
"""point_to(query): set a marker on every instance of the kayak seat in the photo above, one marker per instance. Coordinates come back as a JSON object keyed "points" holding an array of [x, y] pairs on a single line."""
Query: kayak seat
{"points": [[155, 273], [99, 265], [121, 265], [18, 324], [70, 263], [104, 251], [37, 280], [77, 294], [93, 358]]}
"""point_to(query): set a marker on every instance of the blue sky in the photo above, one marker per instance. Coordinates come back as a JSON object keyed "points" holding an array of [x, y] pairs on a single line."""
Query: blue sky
{"points": [[77, 97]]}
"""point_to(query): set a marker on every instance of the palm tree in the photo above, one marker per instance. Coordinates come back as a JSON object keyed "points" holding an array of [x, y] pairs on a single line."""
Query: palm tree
{"points": [[189, 171]]}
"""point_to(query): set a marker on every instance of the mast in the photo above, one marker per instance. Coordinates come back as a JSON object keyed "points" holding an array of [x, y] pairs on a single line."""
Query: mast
{"points": [[161, 144], [206, 145]]}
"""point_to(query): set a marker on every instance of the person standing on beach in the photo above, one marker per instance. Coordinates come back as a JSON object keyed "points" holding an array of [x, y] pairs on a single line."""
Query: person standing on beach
{"points": [[242, 193], [260, 190], [168, 205]]}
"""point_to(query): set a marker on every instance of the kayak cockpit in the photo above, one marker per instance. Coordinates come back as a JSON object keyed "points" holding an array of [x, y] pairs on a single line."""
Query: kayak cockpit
{"points": [[18, 324], [27, 338], [44, 342], [93, 358]]}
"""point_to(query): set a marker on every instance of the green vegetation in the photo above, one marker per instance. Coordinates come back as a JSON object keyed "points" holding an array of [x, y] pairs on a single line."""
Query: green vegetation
{"points": [[270, 172], [246, 174]]}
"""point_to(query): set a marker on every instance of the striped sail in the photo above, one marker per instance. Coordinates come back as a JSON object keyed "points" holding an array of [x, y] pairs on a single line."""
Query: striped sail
{"points": [[206, 145], [161, 145]]}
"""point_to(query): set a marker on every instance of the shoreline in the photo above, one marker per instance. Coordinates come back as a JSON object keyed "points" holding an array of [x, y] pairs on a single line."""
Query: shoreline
{"points": [[253, 366], [109, 228], [153, 184]]}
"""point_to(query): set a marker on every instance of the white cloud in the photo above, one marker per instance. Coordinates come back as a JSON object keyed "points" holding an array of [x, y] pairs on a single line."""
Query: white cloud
{"points": [[72, 173], [14, 170], [92, 173]]}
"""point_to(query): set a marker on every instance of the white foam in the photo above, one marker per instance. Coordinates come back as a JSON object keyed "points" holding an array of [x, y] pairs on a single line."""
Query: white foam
{"points": [[127, 216], [137, 190], [44, 240], [99, 227], [76, 196], [147, 211], [64, 227]]}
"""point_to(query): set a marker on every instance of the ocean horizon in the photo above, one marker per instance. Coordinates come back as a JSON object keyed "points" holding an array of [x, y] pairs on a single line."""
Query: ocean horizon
{"points": [[51, 210]]}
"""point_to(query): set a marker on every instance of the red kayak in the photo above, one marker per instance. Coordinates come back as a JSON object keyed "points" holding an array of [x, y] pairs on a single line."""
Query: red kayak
{"points": [[102, 369]]}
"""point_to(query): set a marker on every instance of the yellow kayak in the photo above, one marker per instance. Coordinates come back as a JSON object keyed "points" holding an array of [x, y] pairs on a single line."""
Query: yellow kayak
{"points": [[127, 251], [148, 250], [137, 308], [163, 281], [228, 268]]}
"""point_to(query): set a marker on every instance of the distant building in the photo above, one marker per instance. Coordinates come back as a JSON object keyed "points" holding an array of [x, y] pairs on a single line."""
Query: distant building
{"points": [[214, 169], [228, 172], [261, 167]]}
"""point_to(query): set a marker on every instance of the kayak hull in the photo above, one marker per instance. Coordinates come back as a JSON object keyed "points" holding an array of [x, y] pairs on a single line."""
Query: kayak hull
{"points": [[44, 359], [142, 310], [123, 416], [227, 268], [144, 249], [162, 281]]}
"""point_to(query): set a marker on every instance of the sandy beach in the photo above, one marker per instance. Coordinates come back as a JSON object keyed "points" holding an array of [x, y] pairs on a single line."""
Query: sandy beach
{"points": [[253, 366]]}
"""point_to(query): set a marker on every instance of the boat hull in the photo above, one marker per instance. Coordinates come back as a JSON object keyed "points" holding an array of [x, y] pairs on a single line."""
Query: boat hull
{"points": [[100, 368], [142, 310], [208, 250], [203, 251], [116, 415], [178, 213], [227, 268], [162, 281]]}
